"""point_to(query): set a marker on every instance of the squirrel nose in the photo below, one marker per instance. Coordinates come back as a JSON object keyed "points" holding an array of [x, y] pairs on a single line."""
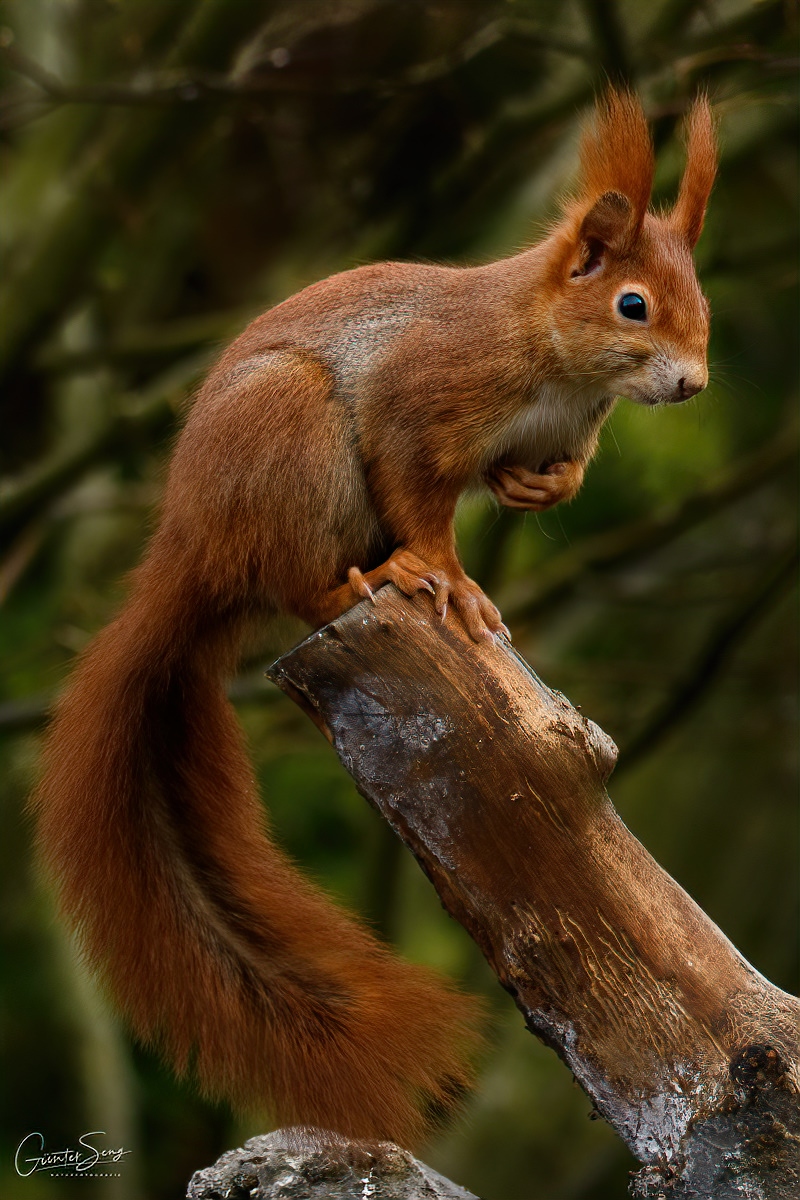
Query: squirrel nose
{"points": [[689, 386]]}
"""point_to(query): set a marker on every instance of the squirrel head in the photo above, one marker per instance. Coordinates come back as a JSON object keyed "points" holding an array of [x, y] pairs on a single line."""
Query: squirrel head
{"points": [[624, 307]]}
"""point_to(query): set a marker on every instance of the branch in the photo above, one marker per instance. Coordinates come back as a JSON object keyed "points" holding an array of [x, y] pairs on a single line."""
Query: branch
{"points": [[33, 712], [165, 340], [672, 18], [613, 548], [609, 38], [23, 716], [694, 685], [21, 554], [153, 412], [496, 785], [274, 73]]}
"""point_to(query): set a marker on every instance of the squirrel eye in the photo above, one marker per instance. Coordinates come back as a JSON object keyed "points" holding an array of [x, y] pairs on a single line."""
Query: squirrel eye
{"points": [[632, 306]]}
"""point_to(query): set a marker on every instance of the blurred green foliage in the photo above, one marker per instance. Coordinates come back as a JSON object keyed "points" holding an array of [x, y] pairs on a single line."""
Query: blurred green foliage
{"points": [[171, 169]]}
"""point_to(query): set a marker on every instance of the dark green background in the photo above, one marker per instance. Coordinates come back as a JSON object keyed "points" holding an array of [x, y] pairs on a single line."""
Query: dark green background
{"points": [[218, 155]]}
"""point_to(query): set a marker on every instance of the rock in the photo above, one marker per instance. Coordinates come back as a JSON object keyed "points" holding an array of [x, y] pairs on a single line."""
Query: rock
{"points": [[311, 1164]]}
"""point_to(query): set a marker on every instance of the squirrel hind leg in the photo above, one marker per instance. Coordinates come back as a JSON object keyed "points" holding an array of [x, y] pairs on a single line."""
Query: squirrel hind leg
{"points": [[266, 485]]}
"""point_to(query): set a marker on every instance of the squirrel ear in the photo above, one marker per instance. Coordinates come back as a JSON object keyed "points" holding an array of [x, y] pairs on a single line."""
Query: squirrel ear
{"points": [[609, 225], [687, 216]]}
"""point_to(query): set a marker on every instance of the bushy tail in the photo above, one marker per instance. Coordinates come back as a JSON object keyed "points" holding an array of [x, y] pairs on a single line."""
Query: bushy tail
{"points": [[215, 948]]}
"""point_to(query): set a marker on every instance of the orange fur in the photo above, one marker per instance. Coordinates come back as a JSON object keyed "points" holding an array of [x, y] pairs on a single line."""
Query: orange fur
{"points": [[324, 455], [617, 154], [698, 177]]}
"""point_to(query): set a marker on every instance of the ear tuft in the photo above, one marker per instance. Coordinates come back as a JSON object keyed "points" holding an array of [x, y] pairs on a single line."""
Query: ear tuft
{"points": [[698, 178], [617, 154]]}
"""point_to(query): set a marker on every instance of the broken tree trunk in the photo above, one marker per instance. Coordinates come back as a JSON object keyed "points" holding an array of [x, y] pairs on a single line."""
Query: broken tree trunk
{"points": [[497, 786]]}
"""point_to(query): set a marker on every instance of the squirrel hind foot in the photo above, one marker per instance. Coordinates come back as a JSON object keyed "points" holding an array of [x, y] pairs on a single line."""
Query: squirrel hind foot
{"points": [[411, 574]]}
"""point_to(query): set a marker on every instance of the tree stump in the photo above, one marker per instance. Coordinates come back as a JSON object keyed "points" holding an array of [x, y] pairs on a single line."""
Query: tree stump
{"points": [[497, 785]]}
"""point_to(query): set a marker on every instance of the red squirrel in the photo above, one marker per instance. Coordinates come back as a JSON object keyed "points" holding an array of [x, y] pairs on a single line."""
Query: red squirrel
{"points": [[324, 456]]}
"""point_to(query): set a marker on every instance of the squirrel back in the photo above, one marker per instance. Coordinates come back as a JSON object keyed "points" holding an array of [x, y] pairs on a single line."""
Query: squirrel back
{"points": [[324, 456]]}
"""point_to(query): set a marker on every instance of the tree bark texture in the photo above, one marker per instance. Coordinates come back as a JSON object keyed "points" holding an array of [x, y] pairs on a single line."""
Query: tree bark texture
{"points": [[497, 785], [306, 1164]]}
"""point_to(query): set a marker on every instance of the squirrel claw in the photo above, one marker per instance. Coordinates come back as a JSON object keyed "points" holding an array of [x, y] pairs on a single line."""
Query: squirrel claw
{"points": [[359, 585]]}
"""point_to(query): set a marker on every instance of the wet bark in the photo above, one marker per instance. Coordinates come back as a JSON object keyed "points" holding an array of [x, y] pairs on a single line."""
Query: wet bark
{"points": [[497, 785], [306, 1164]]}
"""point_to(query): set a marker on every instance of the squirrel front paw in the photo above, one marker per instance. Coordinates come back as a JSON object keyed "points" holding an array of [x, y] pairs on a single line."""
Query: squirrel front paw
{"points": [[517, 487], [412, 574]]}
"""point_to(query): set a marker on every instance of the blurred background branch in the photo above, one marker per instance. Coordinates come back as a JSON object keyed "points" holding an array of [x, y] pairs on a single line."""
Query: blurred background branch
{"points": [[171, 170], [684, 698]]}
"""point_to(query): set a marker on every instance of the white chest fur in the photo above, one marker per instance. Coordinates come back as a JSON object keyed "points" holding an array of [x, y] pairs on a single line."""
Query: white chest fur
{"points": [[560, 423]]}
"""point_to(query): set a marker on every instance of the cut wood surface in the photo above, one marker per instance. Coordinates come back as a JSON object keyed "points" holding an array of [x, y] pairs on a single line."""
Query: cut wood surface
{"points": [[497, 785]]}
